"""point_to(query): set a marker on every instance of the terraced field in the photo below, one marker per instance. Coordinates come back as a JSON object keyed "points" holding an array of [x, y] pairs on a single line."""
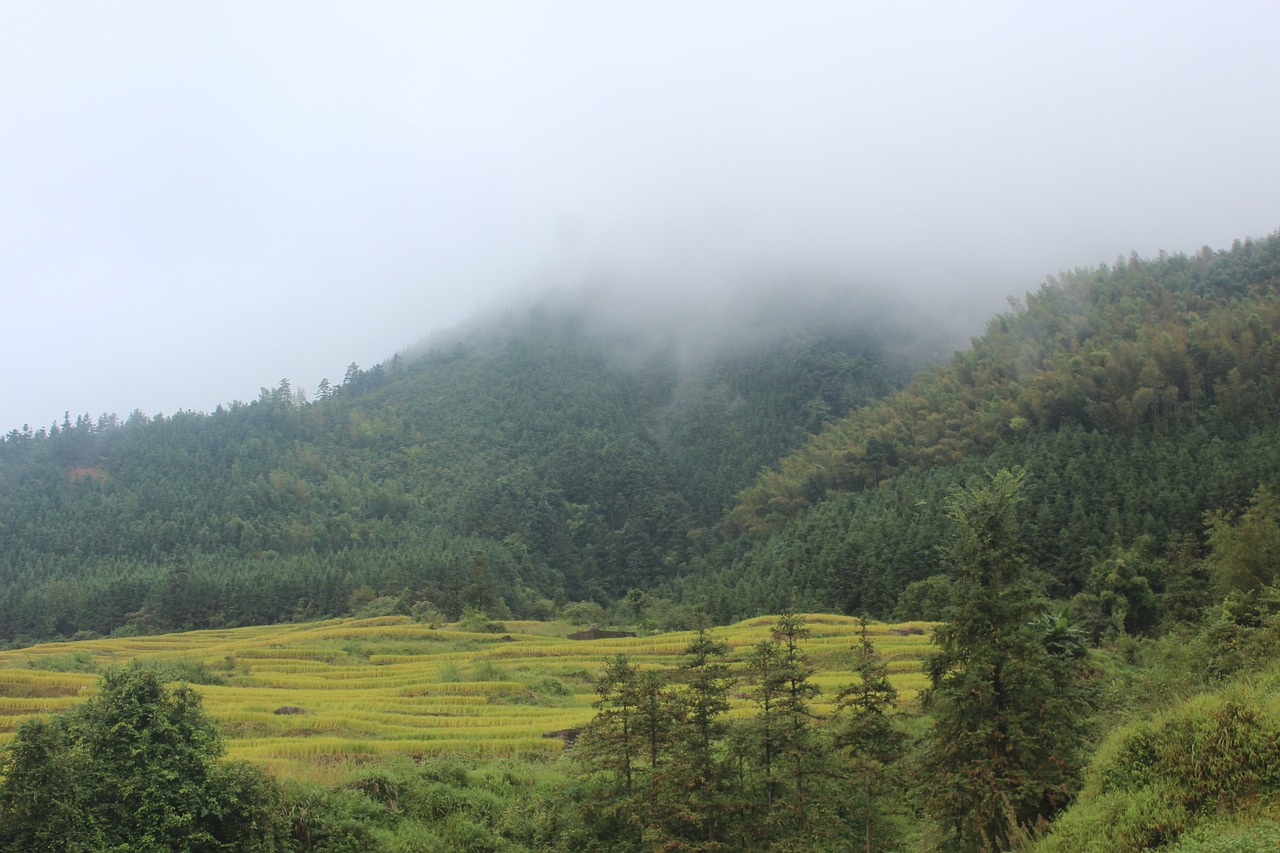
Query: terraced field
{"points": [[358, 689]]}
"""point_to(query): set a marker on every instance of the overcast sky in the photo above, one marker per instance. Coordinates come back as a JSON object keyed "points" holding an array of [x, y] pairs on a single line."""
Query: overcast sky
{"points": [[199, 199]]}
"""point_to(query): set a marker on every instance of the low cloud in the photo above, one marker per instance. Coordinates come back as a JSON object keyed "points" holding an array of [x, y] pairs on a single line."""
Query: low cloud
{"points": [[203, 198]]}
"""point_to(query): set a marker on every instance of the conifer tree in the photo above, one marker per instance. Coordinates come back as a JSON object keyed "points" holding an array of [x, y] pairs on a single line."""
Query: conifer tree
{"points": [[609, 748], [657, 710], [765, 673], [867, 734], [799, 745], [701, 775], [1008, 710], [612, 743]]}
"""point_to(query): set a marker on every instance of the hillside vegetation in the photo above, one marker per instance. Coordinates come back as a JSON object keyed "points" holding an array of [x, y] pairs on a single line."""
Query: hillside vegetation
{"points": [[538, 458], [1138, 397], [1081, 507], [386, 734]]}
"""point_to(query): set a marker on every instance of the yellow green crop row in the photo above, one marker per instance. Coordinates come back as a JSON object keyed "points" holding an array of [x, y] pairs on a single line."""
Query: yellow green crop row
{"points": [[314, 700]]}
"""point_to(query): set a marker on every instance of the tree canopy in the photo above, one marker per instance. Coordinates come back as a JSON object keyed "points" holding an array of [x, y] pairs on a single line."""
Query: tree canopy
{"points": [[134, 768]]}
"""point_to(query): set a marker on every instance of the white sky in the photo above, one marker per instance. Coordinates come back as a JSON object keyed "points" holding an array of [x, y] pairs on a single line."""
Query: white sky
{"points": [[200, 198]]}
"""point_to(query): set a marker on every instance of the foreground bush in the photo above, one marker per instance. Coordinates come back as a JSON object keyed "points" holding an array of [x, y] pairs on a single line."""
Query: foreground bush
{"points": [[1167, 780], [135, 768]]}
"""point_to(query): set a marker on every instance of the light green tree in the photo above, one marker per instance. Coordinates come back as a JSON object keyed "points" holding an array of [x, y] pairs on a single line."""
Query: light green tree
{"points": [[1245, 552]]}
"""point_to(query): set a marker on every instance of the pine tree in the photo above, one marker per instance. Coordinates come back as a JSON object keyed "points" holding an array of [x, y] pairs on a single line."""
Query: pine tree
{"points": [[656, 713], [611, 741], [799, 745], [1009, 711], [867, 734], [700, 776], [765, 673], [609, 748]]}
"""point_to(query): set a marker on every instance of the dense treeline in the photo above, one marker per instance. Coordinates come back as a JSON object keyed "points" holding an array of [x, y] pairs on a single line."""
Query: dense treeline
{"points": [[1147, 342], [671, 770], [526, 463], [1139, 397], [1088, 492], [1109, 591], [992, 757]]}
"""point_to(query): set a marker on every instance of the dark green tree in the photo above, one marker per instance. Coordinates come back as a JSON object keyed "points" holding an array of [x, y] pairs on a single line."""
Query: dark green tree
{"points": [[866, 732], [657, 711], [610, 749], [133, 769], [765, 673], [927, 599], [800, 748], [698, 791], [1118, 597], [612, 742], [1009, 706]]}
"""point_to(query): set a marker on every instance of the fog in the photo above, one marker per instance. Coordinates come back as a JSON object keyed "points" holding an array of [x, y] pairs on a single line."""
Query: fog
{"points": [[200, 199]]}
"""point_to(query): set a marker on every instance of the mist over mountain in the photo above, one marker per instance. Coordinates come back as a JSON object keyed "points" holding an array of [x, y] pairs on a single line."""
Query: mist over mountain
{"points": [[203, 198], [696, 322], [558, 448], [729, 454], [1138, 397]]}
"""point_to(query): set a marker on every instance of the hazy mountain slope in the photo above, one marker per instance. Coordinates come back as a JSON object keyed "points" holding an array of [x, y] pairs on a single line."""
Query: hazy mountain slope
{"points": [[1137, 396], [539, 455]]}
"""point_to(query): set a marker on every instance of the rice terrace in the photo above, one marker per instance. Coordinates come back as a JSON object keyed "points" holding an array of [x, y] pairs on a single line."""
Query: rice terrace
{"points": [[316, 701]]}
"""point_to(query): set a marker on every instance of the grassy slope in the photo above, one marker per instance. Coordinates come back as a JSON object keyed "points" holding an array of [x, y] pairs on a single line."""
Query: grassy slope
{"points": [[1199, 775], [388, 686]]}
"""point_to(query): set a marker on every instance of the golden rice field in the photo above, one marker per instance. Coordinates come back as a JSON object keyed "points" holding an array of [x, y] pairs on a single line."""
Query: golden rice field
{"points": [[373, 687]]}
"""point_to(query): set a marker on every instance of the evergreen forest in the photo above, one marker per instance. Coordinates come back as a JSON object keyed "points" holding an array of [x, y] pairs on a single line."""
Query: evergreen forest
{"points": [[1083, 503], [540, 459]]}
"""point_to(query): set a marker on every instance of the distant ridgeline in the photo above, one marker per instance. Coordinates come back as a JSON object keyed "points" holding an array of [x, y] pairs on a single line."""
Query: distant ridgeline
{"points": [[545, 457], [535, 459], [1137, 397]]}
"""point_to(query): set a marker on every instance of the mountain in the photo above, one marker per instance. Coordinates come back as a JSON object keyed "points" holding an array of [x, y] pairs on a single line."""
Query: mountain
{"points": [[767, 448], [569, 447], [1137, 396]]}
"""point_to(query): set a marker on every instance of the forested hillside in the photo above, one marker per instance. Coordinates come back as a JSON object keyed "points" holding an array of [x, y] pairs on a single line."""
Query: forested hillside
{"points": [[560, 452], [1138, 397], [1084, 501], [542, 456]]}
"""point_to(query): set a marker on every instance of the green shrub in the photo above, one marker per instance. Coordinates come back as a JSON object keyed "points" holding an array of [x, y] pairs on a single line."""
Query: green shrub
{"points": [[321, 819], [548, 686], [486, 670], [73, 662], [476, 622], [383, 605], [134, 768], [1154, 781], [190, 671], [1218, 837]]}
